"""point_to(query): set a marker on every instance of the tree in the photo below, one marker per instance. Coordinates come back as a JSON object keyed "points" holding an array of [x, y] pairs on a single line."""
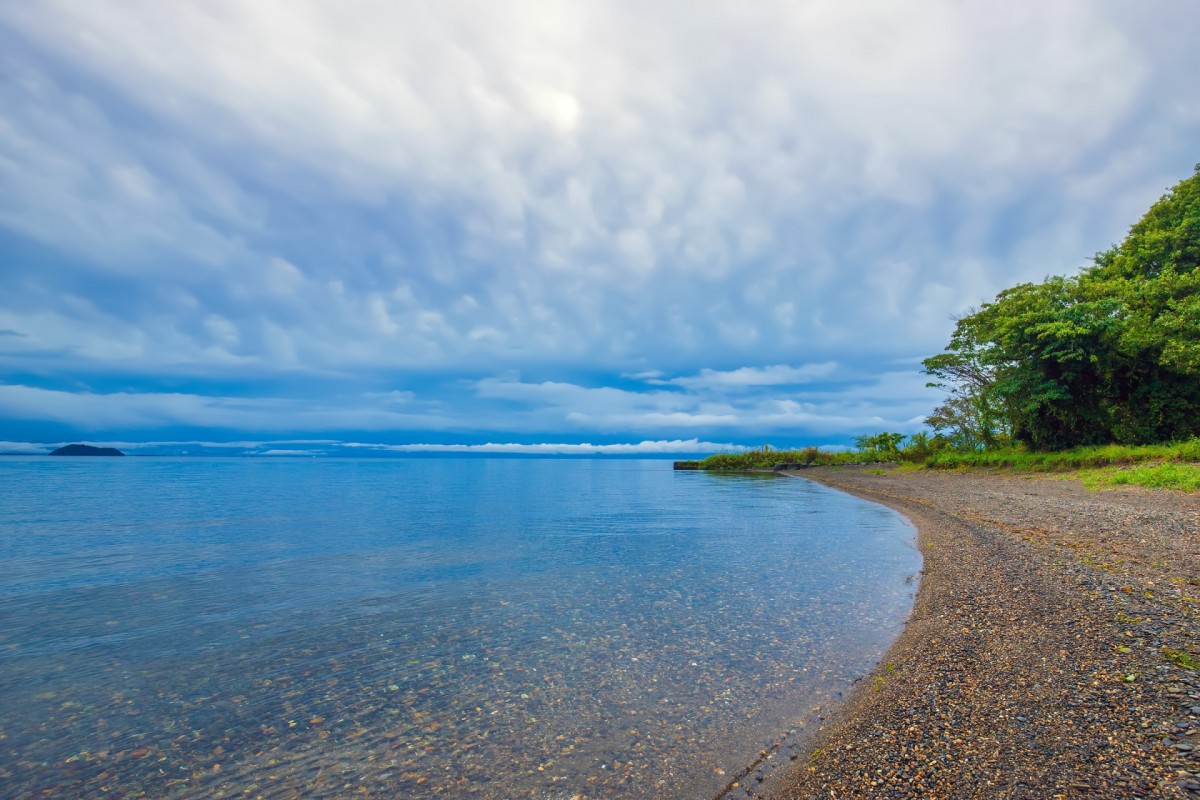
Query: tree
{"points": [[881, 446], [1111, 355], [1050, 355], [969, 418]]}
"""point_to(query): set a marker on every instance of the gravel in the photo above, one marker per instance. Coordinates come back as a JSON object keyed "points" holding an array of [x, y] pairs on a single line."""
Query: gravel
{"points": [[1046, 656]]}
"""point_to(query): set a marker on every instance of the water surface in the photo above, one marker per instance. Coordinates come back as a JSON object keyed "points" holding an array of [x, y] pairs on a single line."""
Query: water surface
{"points": [[491, 628]]}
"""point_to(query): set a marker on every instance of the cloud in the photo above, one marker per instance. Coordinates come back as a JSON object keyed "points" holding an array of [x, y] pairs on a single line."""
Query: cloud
{"points": [[748, 377], [790, 402], [639, 448], [92, 411], [853, 402], [711, 202], [334, 447], [205, 445], [30, 448]]}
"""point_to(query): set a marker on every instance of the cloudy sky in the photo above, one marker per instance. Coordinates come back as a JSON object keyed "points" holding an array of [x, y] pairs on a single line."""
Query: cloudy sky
{"points": [[650, 226]]}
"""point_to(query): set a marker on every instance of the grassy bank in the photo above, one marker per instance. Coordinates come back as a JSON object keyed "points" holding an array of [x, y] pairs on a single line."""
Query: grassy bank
{"points": [[1077, 458], [1165, 466], [765, 458], [1183, 477]]}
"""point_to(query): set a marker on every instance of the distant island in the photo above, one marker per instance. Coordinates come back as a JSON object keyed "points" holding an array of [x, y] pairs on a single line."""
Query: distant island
{"points": [[86, 450]]}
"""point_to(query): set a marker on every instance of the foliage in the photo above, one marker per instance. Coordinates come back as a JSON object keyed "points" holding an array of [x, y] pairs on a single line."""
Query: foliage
{"points": [[971, 417], [885, 446], [921, 447], [1020, 459], [1164, 466], [1109, 356], [880, 446], [766, 458], [1181, 658], [1184, 477]]}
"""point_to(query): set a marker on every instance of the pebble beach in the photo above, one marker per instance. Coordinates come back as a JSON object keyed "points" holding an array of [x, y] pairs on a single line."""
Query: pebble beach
{"points": [[1051, 651]]}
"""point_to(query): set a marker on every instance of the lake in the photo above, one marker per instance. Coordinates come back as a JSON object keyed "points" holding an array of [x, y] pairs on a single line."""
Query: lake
{"points": [[416, 627]]}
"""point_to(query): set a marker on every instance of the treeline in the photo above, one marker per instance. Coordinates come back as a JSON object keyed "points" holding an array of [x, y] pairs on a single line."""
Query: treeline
{"points": [[924, 450], [1109, 356], [766, 457], [871, 448]]}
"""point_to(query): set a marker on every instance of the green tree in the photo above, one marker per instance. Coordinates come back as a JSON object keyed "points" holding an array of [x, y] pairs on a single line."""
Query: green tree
{"points": [[970, 418], [880, 446], [920, 446], [1111, 355], [1049, 358]]}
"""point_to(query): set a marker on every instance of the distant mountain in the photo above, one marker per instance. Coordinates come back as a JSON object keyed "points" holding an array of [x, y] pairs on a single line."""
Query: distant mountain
{"points": [[86, 450]]}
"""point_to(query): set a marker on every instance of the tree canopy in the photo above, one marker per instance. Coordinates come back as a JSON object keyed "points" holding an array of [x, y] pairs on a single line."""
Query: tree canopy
{"points": [[1111, 355]]}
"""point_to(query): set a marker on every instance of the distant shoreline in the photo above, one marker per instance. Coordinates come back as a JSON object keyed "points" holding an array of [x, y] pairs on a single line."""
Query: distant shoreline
{"points": [[86, 450], [1046, 652]]}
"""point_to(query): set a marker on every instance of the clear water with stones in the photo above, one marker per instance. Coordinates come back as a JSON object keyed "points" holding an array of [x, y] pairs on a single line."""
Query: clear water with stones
{"points": [[454, 627]]}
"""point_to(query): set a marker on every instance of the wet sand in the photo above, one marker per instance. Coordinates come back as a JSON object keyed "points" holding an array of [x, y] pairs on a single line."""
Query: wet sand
{"points": [[1046, 655]]}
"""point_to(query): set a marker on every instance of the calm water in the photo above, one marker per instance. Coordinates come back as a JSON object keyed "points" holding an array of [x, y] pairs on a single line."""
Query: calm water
{"points": [[175, 628]]}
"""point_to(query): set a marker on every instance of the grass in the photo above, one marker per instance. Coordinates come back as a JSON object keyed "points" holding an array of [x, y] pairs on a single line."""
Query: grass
{"points": [[879, 680], [1182, 477], [1113, 455], [1181, 658], [1160, 466]]}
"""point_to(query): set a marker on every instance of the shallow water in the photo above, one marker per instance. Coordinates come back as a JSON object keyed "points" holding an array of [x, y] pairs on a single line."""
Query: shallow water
{"points": [[491, 628]]}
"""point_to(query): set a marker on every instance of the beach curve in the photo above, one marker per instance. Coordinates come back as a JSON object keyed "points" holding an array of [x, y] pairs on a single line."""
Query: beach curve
{"points": [[1048, 653]]}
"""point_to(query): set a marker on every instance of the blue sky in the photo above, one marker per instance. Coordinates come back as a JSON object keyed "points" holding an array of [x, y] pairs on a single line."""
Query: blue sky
{"points": [[653, 227]]}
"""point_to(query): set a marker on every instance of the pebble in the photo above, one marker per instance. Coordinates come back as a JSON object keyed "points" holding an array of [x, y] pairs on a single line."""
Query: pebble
{"points": [[1037, 597]]}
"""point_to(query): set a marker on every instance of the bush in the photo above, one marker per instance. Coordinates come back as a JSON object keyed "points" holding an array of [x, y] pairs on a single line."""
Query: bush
{"points": [[766, 458]]}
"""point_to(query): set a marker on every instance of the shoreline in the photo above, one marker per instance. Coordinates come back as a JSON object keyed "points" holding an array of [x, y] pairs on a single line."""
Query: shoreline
{"points": [[1037, 659]]}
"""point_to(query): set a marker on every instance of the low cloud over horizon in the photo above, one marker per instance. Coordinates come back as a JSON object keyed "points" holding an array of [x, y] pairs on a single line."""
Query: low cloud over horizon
{"points": [[757, 409], [597, 222], [289, 448]]}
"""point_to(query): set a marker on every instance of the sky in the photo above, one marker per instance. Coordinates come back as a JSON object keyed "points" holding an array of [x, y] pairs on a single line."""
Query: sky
{"points": [[281, 226]]}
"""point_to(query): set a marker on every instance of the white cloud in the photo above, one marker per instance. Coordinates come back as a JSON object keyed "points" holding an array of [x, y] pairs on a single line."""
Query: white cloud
{"points": [[30, 448], [226, 188], [96, 411], [852, 404], [577, 171], [332, 447], [639, 448], [777, 375], [203, 445], [893, 400]]}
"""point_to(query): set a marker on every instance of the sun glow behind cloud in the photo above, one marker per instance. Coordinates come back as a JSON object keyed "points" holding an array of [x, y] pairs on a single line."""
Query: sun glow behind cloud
{"points": [[551, 220]]}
